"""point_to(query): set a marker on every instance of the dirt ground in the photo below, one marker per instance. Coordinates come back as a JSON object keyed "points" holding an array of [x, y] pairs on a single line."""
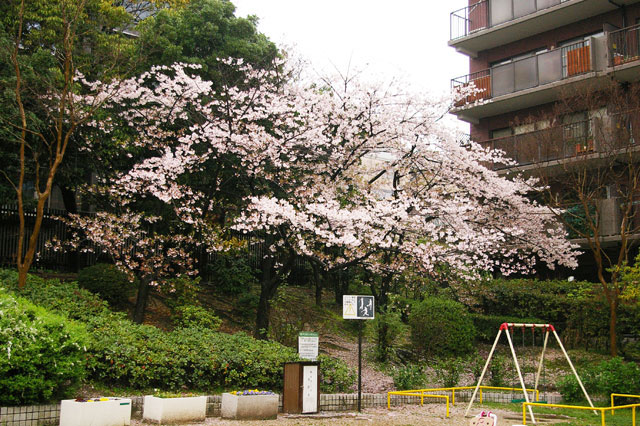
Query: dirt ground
{"points": [[430, 414]]}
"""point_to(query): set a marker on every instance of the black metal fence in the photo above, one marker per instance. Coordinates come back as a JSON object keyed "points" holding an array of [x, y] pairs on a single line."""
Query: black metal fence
{"points": [[68, 261], [51, 228]]}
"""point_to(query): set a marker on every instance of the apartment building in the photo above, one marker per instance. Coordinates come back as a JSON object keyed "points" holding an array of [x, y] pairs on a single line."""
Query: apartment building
{"points": [[526, 57]]}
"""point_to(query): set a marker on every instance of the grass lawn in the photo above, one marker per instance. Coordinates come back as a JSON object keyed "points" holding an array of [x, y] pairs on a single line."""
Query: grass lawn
{"points": [[572, 417]]}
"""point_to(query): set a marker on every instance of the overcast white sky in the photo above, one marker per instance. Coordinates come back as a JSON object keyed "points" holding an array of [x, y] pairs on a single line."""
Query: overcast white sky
{"points": [[401, 38]]}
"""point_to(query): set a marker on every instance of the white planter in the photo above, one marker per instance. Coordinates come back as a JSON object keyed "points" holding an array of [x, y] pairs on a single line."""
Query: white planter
{"points": [[249, 407], [174, 410], [113, 412]]}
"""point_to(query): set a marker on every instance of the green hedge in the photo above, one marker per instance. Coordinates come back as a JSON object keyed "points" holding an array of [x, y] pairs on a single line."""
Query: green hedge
{"points": [[41, 353], [611, 376], [108, 282], [120, 352], [578, 310], [143, 356], [487, 326], [63, 297], [441, 327]]}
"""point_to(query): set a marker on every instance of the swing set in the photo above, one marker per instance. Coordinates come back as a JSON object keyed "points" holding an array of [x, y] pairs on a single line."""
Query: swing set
{"points": [[508, 329]]}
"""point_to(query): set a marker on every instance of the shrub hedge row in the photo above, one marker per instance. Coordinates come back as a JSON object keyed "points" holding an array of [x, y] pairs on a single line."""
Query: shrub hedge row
{"points": [[603, 379], [119, 352], [41, 353], [577, 309]]}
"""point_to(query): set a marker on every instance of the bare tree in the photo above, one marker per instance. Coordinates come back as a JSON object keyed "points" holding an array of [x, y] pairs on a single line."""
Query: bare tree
{"points": [[587, 154]]}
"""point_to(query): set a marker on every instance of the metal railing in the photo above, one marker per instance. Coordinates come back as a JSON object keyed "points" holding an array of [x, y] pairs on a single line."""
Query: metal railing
{"points": [[489, 13], [607, 135], [427, 393], [421, 395], [624, 45], [526, 73], [469, 19], [602, 410], [622, 395]]}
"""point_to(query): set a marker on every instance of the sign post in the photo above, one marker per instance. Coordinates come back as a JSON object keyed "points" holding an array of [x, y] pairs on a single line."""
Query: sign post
{"points": [[360, 308]]}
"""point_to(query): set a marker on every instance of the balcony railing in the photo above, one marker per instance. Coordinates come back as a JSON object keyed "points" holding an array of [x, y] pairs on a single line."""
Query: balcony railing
{"points": [[527, 73], [606, 135], [489, 13], [624, 45]]}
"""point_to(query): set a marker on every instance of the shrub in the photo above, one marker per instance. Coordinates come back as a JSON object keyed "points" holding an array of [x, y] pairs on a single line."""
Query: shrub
{"points": [[610, 376], [231, 273], [577, 309], [42, 353], [181, 291], [108, 282], [387, 330], [498, 370], [408, 377], [63, 297], [141, 356], [487, 326], [441, 327], [122, 353], [448, 371], [335, 375], [195, 316], [476, 365]]}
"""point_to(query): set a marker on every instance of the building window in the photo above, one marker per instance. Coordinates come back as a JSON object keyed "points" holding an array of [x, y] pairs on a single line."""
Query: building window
{"points": [[501, 133]]}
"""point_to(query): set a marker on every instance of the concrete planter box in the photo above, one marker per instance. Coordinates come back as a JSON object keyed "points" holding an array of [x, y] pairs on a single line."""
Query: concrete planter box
{"points": [[174, 410], [249, 407], [113, 412]]}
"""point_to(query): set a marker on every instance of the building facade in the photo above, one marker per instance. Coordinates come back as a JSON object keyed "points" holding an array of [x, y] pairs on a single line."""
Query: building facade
{"points": [[526, 59]]}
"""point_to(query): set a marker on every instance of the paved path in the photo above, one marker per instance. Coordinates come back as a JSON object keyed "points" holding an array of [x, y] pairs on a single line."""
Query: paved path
{"points": [[430, 414]]}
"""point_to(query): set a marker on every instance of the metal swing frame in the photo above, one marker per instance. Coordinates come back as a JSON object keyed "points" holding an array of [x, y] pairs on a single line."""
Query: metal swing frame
{"points": [[548, 328]]}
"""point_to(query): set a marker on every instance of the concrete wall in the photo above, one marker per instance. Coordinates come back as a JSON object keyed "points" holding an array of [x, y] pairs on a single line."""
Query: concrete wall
{"points": [[38, 415]]}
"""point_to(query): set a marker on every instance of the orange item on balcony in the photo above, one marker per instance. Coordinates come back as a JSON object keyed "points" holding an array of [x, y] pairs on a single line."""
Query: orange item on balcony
{"points": [[578, 60], [483, 85], [584, 148]]}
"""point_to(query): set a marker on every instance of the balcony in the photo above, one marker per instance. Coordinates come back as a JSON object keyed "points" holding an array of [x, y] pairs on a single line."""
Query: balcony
{"points": [[492, 23], [609, 213], [601, 137], [624, 53], [529, 81]]}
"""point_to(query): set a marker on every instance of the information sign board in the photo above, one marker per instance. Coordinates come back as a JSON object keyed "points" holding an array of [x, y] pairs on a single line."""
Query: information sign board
{"points": [[308, 345], [358, 307]]}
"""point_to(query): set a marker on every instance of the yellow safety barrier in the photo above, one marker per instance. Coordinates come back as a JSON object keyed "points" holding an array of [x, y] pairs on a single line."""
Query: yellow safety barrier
{"points": [[459, 388], [626, 395], [421, 395], [602, 410]]}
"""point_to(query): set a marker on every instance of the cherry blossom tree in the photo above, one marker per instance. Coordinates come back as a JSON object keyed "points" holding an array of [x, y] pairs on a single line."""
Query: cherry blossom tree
{"points": [[296, 154]]}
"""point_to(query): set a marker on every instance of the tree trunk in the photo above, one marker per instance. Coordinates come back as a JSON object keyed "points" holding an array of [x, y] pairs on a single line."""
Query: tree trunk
{"points": [[340, 284], [141, 301], [384, 340], [337, 292], [262, 317], [613, 317], [69, 199], [318, 283], [268, 286]]}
